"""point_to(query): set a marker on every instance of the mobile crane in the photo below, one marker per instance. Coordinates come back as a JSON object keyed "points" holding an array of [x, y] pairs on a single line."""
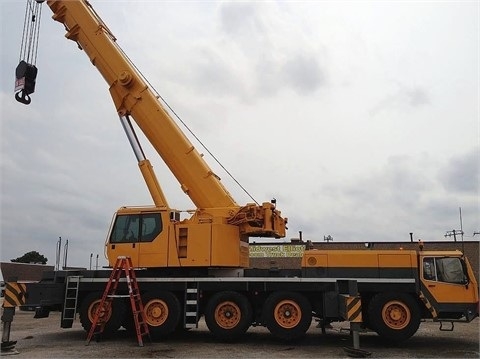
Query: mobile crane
{"points": [[154, 236], [184, 271]]}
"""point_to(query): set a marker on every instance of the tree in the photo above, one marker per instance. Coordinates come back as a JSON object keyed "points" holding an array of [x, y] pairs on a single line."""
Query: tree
{"points": [[31, 257]]}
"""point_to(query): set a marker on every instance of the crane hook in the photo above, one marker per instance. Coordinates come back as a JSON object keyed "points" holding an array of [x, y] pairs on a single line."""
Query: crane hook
{"points": [[26, 75], [22, 96]]}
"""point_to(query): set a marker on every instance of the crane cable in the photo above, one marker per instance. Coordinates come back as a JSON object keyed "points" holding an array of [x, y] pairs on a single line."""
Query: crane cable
{"points": [[170, 108], [31, 32], [26, 71], [206, 149], [189, 130]]}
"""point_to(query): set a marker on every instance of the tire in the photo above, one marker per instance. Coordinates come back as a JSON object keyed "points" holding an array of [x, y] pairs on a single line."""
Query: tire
{"points": [[89, 306], [162, 312], [128, 322], [394, 316], [287, 315], [228, 315]]}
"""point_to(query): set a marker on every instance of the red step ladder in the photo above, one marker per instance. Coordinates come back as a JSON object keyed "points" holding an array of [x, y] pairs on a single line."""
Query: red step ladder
{"points": [[123, 264]]}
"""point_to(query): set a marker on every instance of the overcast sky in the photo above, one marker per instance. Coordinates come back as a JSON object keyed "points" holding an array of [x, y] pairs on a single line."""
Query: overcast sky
{"points": [[360, 118]]}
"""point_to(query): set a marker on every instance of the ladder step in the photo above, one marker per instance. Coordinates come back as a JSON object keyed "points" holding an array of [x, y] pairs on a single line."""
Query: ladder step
{"points": [[190, 312], [122, 265], [118, 296]]}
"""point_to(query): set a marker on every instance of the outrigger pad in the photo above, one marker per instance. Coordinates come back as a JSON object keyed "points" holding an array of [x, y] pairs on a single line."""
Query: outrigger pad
{"points": [[356, 353], [7, 346]]}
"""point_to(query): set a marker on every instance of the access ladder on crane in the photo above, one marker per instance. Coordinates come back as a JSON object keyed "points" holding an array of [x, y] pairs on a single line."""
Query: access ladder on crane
{"points": [[123, 264], [71, 300], [191, 306]]}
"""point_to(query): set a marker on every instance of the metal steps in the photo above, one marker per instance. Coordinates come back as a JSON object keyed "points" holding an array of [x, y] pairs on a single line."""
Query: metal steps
{"points": [[70, 303], [191, 306]]}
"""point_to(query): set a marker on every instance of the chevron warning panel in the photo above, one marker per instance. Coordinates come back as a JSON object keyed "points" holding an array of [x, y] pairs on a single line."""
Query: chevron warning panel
{"points": [[14, 294]]}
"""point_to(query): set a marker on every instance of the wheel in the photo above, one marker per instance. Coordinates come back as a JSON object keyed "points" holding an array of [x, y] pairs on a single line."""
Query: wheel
{"points": [[287, 315], [394, 316], [162, 312], [128, 322], [228, 315], [114, 317]]}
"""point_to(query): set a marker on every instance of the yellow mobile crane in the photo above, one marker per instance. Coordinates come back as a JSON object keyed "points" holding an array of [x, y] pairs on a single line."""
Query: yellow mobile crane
{"points": [[183, 277], [154, 236]]}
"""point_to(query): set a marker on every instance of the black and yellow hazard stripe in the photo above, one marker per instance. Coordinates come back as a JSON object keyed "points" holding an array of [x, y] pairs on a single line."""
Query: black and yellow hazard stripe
{"points": [[354, 309], [14, 294], [428, 305]]}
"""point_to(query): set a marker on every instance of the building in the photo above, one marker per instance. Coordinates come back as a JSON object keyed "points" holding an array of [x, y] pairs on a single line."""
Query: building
{"points": [[24, 272]]}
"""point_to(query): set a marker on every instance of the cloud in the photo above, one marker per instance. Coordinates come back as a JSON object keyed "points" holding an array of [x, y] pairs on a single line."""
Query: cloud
{"points": [[462, 173], [387, 204], [403, 99], [270, 56], [304, 74], [240, 18]]}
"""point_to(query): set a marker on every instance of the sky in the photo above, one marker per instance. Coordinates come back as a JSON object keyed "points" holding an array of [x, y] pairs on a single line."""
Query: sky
{"points": [[360, 117]]}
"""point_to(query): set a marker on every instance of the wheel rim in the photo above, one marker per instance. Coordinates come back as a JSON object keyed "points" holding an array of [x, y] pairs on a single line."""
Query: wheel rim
{"points": [[396, 315], [227, 315], [105, 314], [156, 312], [287, 314]]}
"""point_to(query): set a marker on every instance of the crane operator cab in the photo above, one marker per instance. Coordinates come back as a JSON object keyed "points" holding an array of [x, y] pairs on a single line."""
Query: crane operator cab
{"points": [[156, 238]]}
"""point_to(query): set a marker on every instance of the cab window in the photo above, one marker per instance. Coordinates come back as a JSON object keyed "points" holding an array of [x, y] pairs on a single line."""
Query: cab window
{"points": [[136, 228], [151, 227], [445, 269]]}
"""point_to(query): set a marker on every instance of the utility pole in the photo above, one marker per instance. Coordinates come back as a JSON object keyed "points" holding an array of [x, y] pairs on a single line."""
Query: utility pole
{"points": [[65, 254], [454, 233], [58, 254]]}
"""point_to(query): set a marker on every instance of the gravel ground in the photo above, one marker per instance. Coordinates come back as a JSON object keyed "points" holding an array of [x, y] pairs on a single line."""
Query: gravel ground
{"points": [[43, 338]]}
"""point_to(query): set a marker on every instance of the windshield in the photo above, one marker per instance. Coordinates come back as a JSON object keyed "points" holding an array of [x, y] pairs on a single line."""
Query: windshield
{"points": [[445, 269], [136, 228]]}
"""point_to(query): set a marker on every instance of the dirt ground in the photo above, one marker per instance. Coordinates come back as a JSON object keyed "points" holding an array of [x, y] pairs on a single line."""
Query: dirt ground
{"points": [[43, 338]]}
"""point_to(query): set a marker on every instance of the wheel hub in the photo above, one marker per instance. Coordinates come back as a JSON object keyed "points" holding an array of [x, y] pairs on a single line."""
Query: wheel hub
{"points": [[156, 312], [396, 315], [228, 315], [288, 314]]}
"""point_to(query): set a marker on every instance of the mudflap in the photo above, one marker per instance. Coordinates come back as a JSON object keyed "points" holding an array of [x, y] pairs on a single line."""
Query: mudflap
{"points": [[41, 312]]}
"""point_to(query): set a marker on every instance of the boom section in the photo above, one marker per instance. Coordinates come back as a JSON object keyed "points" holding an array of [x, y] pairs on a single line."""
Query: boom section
{"points": [[133, 97]]}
